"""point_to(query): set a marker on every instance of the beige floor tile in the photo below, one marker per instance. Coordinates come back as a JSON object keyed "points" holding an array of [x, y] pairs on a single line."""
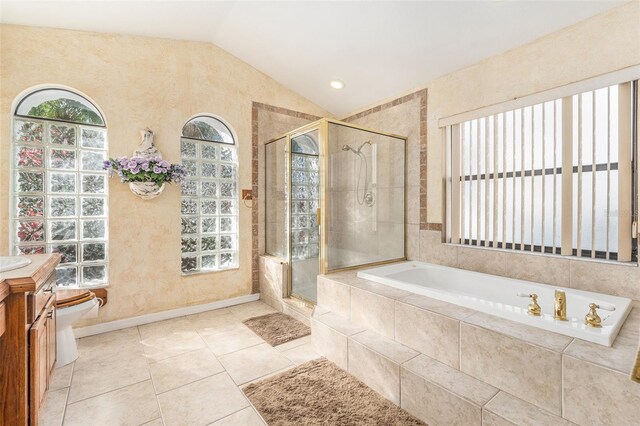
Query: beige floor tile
{"points": [[156, 422], [246, 417], [301, 354], [61, 377], [231, 338], [252, 309], [211, 321], [292, 344], [52, 412], [132, 405], [202, 402], [180, 370], [254, 362], [91, 381], [105, 352], [126, 335], [161, 347], [166, 327]]}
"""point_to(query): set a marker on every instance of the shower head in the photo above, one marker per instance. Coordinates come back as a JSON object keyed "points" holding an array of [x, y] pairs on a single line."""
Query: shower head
{"points": [[355, 151], [363, 144]]}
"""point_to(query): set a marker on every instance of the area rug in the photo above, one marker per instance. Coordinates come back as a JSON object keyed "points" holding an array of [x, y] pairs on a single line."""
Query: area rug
{"points": [[278, 328], [320, 393]]}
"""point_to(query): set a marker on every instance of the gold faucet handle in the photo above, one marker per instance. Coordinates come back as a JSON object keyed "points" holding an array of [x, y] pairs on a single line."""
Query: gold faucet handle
{"points": [[533, 308], [592, 319]]}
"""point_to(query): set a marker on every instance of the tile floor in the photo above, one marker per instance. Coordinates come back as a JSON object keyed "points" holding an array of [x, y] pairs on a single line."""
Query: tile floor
{"points": [[183, 371]]}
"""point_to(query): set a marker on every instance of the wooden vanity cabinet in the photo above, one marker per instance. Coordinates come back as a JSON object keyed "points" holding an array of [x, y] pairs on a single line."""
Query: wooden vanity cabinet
{"points": [[28, 345], [42, 357]]}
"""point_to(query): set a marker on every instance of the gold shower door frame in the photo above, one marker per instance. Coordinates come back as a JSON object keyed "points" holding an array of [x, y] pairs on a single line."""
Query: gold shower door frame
{"points": [[322, 126]]}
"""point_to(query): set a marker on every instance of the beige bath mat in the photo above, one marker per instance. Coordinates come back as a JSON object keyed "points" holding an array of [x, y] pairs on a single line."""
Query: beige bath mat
{"points": [[278, 328], [320, 393]]}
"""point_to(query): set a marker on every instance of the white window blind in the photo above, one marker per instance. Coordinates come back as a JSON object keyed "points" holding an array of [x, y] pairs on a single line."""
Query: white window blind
{"points": [[554, 177]]}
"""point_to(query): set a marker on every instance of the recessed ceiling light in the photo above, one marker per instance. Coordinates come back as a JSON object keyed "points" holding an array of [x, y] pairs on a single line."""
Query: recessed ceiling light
{"points": [[336, 84]]}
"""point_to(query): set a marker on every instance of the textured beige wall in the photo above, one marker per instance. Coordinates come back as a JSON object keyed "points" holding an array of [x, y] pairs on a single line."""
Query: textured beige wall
{"points": [[599, 45], [141, 82]]}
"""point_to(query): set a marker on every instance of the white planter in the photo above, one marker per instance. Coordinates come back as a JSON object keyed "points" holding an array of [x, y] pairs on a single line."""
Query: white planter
{"points": [[146, 190]]}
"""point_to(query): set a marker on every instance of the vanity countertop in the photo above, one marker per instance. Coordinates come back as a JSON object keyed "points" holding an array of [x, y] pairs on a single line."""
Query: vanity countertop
{"points": [[30, 277]]}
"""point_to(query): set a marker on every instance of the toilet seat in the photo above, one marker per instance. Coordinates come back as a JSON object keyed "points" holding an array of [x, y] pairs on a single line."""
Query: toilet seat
{"points": [[71, 306], [68, 298]]}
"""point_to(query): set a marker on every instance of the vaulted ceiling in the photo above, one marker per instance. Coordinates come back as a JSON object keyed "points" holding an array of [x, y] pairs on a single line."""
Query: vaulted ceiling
{"points": [[379, 49]]}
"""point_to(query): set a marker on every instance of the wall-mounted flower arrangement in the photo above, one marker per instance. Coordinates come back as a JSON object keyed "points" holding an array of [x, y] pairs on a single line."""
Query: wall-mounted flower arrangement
{"points": [[145, 172]]}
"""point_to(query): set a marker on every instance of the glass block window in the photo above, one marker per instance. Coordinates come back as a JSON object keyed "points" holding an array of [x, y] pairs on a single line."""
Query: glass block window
{"points": [[59, 190], [209, 204], [304, 205]]}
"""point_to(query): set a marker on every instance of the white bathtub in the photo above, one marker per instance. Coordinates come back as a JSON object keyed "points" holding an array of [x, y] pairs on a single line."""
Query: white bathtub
{"points": [[499, 296]]}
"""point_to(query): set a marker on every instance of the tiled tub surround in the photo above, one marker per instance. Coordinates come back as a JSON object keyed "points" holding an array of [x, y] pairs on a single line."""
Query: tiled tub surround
{"points": [[448, 364], [506, 298]]}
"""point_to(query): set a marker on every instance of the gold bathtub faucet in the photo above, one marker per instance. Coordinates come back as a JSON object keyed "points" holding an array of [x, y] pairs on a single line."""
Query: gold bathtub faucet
{"points": [[534, 308], [592, 319], [560, 306]]}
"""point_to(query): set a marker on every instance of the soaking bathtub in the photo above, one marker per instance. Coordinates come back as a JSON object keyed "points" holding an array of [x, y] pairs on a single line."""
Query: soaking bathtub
{"points": [[498, 296]]}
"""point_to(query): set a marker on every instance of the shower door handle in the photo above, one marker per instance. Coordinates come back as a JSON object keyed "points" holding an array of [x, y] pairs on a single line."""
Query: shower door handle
{"points": [[318, 216]]}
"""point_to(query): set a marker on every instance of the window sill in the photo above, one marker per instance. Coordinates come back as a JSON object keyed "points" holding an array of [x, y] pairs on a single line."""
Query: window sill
{"points": [[217, 271], [557, 256], [83, 287]]}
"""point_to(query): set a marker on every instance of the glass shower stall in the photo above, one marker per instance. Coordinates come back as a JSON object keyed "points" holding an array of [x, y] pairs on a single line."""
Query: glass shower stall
{"points": [[335, 200]]}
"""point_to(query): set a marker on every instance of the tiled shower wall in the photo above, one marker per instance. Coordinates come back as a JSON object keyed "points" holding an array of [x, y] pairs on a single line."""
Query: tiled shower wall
{"points": [[360, 233], [406, 116]]}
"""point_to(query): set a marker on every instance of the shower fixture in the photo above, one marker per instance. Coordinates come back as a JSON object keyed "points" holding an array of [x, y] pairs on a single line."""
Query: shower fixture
{"points": [[367, 196], [357, 152]]}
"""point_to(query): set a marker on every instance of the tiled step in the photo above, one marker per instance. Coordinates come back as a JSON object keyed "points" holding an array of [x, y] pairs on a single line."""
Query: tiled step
{"points": [[329, 333], [521, 360], [370, 357], [507, 410], [376, 360], [441, 395]]}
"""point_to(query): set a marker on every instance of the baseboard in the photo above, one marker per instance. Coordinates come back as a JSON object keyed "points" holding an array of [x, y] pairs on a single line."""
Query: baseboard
{"points": [[106, 327]]}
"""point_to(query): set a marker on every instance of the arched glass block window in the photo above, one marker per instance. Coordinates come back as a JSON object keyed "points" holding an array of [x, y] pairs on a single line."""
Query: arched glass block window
{"points": [[60, 105], [59, 190], [209, 205]]}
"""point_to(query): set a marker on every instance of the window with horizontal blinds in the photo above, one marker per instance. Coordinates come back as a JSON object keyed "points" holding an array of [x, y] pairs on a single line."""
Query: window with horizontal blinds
{"points": [[555, 177]]}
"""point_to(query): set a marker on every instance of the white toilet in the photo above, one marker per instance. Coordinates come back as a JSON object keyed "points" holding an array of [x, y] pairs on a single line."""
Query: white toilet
{"points": [[71, 305]]}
